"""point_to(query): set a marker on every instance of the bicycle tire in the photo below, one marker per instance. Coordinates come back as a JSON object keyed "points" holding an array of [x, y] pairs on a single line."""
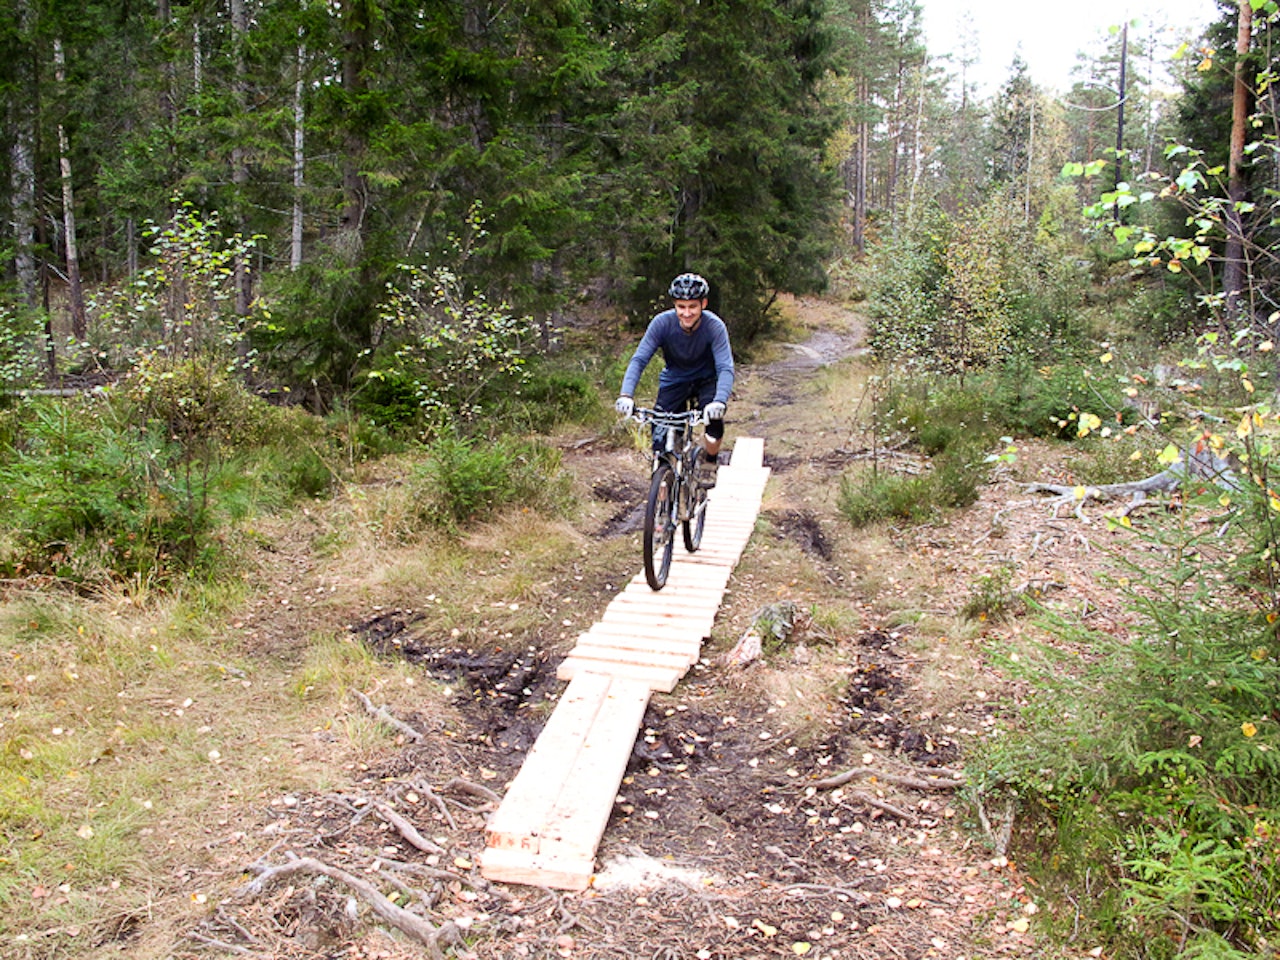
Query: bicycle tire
{"points": [[693, 527], [660, 525]]}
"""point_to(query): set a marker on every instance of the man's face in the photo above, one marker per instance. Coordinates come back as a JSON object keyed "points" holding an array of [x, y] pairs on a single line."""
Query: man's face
{"points": [[689, 312]]}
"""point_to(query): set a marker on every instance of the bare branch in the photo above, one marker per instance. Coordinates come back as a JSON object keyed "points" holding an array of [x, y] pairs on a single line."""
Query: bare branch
{"points": [[383, 714]]}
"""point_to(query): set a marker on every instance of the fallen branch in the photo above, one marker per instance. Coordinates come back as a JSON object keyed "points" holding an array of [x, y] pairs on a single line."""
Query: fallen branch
{"points": [[425, 788], [882, 805], [822, 889], [1196, 463], [383, 714], [222, 945], [406, 829], [410, 924], [915, 783], [475, 789]]}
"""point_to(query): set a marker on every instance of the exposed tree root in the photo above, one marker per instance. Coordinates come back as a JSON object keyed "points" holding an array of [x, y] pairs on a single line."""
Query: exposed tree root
{"points": [[406, 829], [410, 924], [1197, 463], [914, 783], [385, 715]]}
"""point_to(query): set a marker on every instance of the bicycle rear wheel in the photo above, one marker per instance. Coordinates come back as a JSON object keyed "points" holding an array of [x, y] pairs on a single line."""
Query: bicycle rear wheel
{"points": [[660, 525], [692, 528]]}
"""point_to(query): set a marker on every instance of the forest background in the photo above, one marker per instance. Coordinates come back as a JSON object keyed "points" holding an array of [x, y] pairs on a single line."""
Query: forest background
{"points": [[252, 246]]}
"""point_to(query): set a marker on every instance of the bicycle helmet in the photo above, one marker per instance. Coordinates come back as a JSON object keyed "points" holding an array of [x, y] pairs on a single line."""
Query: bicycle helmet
{"points": [[689, 286]]}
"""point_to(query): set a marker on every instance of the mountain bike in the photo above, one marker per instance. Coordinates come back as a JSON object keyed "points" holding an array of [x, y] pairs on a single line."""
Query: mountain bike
{"points": [[675, 496]]}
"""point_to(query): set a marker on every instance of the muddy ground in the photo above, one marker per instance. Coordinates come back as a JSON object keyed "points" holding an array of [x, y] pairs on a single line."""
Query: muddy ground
{"points": [[728, 839]]}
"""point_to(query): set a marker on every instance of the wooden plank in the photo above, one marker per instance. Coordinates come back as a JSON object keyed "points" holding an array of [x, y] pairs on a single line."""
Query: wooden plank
{"points": [[658, 600], [657, 678], [689, 649], [577, 823], [519, 866], [641, 633], [631, 655], [532, 792], [549, 826], [680, 628], [747, 452]]}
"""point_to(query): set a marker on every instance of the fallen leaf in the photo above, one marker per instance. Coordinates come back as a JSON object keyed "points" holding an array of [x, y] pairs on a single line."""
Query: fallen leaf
{"points": [[764, 928], [800, 948], [1021, 925], [85, 832]]}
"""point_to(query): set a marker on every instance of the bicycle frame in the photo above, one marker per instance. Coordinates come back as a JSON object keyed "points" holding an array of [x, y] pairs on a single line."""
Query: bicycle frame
{"points": [[679, 446], [675, 499]]}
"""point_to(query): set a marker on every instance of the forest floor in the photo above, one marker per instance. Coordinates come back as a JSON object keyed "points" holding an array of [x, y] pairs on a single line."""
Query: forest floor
{"points": [[725, 843]]}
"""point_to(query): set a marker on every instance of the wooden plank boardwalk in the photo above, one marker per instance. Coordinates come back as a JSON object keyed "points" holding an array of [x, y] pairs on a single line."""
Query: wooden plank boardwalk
{"points": [[549, 825]]}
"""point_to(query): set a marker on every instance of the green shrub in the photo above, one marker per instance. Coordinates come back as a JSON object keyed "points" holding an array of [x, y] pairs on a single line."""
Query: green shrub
{"points": [[878, 496], [464, 481], [79, 476], [992, 597], [1166, 743]]}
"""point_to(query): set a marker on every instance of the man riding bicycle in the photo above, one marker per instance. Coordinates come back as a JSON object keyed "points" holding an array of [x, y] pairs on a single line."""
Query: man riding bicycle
{"points": [[699, 365]]}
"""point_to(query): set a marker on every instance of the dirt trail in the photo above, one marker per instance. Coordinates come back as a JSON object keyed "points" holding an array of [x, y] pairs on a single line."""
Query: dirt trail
{"points": [[724, 843]]}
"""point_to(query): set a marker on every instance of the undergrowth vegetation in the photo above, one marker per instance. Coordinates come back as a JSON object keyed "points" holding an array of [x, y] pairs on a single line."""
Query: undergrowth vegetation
{"points": [[1142, 761]]}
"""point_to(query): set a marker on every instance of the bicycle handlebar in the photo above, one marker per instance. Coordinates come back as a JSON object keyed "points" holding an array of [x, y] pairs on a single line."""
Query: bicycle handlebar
{"points": [[666, 418]]}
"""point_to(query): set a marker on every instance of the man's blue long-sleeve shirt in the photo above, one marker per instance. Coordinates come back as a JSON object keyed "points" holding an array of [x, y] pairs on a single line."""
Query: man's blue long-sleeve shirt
{"points": [[689, 357]]}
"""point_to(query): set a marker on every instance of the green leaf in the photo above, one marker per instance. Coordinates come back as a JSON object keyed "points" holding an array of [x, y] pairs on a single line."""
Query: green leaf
{"points": [[1073, 169]]}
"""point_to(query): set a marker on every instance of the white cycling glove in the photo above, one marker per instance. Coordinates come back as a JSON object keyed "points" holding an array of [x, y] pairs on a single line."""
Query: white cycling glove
{"points": [[714, 410], [624, 406]]}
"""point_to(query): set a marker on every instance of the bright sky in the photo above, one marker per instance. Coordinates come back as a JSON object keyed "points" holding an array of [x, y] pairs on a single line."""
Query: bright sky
{"points": [[1050, 32]]}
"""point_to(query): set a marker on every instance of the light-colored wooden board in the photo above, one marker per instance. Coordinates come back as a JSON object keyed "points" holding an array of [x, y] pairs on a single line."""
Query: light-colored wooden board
{"points": [[577, 823], [641, 658], [532, 792], [657, 678], [549, 825], [689, 649], [747, 452], [641, 632]]}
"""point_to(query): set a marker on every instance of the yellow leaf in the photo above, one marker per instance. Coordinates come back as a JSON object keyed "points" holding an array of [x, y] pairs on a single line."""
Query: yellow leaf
{"points": [[800, 948], [1105, 358], [1136, 455], [1126, 522], [1021, 925], [1080, 492], [1274, 504], [764, 928], [1244, 427], [1259, 653], [1224, 500], [1248, 729]]}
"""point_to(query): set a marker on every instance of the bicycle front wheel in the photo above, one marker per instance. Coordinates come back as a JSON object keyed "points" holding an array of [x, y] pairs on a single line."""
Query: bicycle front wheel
{"points": [[697, 520], [660, 525]]}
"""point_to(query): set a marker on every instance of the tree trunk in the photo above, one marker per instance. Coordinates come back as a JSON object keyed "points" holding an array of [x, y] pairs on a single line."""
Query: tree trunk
{"points": [[243, 280], [22, 164], [299, 160], [79, 323], [1234, 274], [356, 39], [168, 108]]}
